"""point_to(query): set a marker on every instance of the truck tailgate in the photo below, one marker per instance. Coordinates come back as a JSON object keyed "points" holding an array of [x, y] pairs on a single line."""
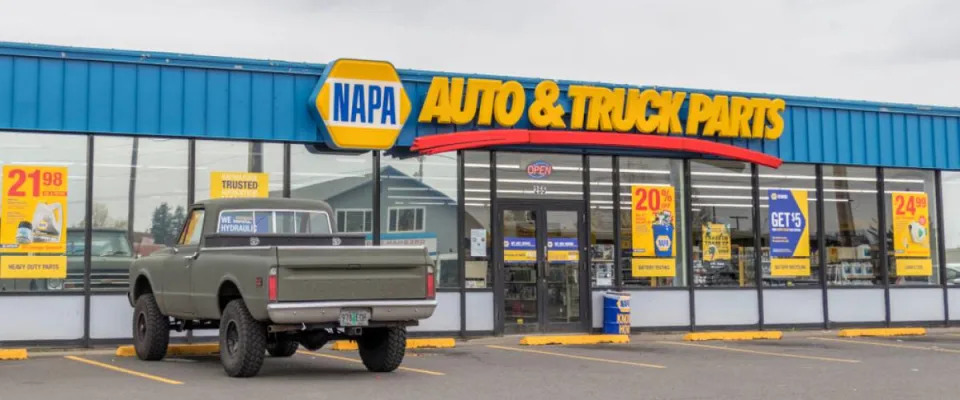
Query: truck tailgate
{"points": [[351, 273]]}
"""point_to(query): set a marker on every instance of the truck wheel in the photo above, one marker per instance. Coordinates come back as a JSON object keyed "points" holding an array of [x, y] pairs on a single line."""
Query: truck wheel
{"points": [[243, 341], [282, 348], [382, 349], [151, 329]]}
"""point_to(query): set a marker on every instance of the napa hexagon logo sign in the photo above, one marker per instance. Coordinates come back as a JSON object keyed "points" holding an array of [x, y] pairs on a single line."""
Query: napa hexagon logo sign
{"points": [[360, 104]]}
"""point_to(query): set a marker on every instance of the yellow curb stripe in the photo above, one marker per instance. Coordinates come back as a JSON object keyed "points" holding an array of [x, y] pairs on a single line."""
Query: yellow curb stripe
{"points": [[894, 345], [354, 360], [124, 370], [573, 339], [765, 353], [882, 332], [603, 360], [13, 354], [745, 335], [418, 343], [199, 349]]}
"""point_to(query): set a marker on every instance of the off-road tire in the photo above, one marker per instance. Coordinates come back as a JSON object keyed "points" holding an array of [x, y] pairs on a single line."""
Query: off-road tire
{"points": [[382, 349], [243, 341], [282, 348], [151, 329]]}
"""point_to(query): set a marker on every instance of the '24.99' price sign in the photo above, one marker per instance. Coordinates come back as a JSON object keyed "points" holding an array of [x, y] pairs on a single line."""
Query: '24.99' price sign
{"points": [[34, 209]]}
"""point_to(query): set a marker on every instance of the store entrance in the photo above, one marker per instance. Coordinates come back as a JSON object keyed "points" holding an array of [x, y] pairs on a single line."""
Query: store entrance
{"points": [[540, 266]]}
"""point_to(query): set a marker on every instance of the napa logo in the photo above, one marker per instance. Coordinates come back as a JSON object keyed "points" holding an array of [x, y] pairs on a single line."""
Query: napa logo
{"points": [[360, 105]]}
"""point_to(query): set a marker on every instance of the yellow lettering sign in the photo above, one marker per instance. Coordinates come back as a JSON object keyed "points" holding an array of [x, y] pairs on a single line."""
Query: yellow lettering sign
{"points": [[462, 101]]}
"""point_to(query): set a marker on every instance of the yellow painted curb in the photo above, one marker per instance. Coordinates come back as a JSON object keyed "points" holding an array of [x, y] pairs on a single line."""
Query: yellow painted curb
{"points": [[882, 332], [13, 354], [573, 339], [745, 335], [201, 349], [418, 343]]}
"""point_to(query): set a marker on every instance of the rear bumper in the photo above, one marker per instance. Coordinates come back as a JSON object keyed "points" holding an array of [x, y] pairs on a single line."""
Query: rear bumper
{"points": [[329, 311]]}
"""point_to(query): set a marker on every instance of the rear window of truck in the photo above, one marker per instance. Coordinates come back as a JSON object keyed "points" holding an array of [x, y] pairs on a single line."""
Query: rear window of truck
{"points": [[287, 222]]}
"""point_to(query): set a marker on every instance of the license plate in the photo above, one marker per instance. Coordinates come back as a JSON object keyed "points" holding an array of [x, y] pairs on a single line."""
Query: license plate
{"points": [[354, 317]]}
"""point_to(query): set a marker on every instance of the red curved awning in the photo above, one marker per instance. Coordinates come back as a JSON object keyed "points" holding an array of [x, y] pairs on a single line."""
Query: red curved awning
{"points": [[442, 143]]}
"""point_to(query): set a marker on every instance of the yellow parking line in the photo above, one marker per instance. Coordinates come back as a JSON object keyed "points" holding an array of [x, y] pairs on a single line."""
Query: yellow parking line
{"points": [[124, 370], [765, 353], [550, 353], [354, 360], [894, 345]]}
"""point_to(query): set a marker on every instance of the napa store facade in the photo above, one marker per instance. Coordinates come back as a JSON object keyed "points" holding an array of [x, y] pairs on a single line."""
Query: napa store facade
{"points": [[534, 197]]}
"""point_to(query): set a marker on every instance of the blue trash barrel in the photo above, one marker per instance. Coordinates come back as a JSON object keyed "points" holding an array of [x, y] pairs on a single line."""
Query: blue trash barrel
{"points": [[616, 313]]}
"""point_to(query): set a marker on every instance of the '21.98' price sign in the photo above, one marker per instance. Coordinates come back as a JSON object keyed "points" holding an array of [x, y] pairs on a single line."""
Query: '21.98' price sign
{"points": [[34, 209]]}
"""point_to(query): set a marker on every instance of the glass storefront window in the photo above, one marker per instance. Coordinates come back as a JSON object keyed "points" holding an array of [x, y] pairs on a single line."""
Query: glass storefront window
{"points": [[345, 181], [139, 203], [950, 186], [796, 179], [48, 150], [539, 176], [602, 244], [478, 237], [418, 200], [655, 179], [911, 231], [722, 219], [851, 229], [225, 156]]}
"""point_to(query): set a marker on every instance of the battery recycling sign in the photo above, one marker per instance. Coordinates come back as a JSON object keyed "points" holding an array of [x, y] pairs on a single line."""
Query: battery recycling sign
{"points": [[789, 233]]}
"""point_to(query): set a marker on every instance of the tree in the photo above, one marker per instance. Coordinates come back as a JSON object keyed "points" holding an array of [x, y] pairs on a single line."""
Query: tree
{"points": [[165, 225]]}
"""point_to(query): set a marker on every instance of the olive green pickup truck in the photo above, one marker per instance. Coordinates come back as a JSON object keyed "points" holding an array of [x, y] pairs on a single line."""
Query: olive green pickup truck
{"points": [[272, 275]]}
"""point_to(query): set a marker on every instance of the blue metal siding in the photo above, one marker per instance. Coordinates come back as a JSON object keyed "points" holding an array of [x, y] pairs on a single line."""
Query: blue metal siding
{"points": [[49, 88]]}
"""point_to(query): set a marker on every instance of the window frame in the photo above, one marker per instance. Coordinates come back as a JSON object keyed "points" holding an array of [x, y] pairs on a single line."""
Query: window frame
{"points": [[273, 213], [422, 220], [365, 211], [186, 223]]}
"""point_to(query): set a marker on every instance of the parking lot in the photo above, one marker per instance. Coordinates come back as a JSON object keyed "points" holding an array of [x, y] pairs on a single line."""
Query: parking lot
{"points": [[801, 365]]}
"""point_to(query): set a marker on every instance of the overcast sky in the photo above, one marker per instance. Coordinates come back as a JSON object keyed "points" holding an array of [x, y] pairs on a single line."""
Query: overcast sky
{"points": [[885, 50]]}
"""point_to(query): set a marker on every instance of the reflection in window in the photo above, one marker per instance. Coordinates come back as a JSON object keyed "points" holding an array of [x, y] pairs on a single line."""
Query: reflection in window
{"points": [[405, 219], [950, 185], [225, 156], [355, 220], [851, 226], [543, 176], [651, 173], [602, 245], [722, 211], [798, 178], [69, 151], [905, 191], [477, 251], [418, 197], [140, 198], [344, 181]]}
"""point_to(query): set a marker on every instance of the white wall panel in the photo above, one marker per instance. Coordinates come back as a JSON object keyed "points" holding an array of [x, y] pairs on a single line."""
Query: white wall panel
{"points": [[726, 307], [446, 317], [792, 306], [659, 308], [916, 304], [41, 318], [480, 311], [856, 305]]}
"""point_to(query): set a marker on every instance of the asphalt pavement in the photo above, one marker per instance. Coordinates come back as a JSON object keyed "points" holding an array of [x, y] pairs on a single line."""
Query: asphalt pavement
{"points": [[802, 365]]}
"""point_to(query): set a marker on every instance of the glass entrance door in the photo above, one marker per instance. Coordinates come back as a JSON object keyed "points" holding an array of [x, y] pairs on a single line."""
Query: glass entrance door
{"points": [[540, 266]]}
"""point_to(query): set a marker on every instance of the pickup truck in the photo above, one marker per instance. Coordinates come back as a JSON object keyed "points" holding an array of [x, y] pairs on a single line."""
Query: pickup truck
{"points": [[272, 275]]}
